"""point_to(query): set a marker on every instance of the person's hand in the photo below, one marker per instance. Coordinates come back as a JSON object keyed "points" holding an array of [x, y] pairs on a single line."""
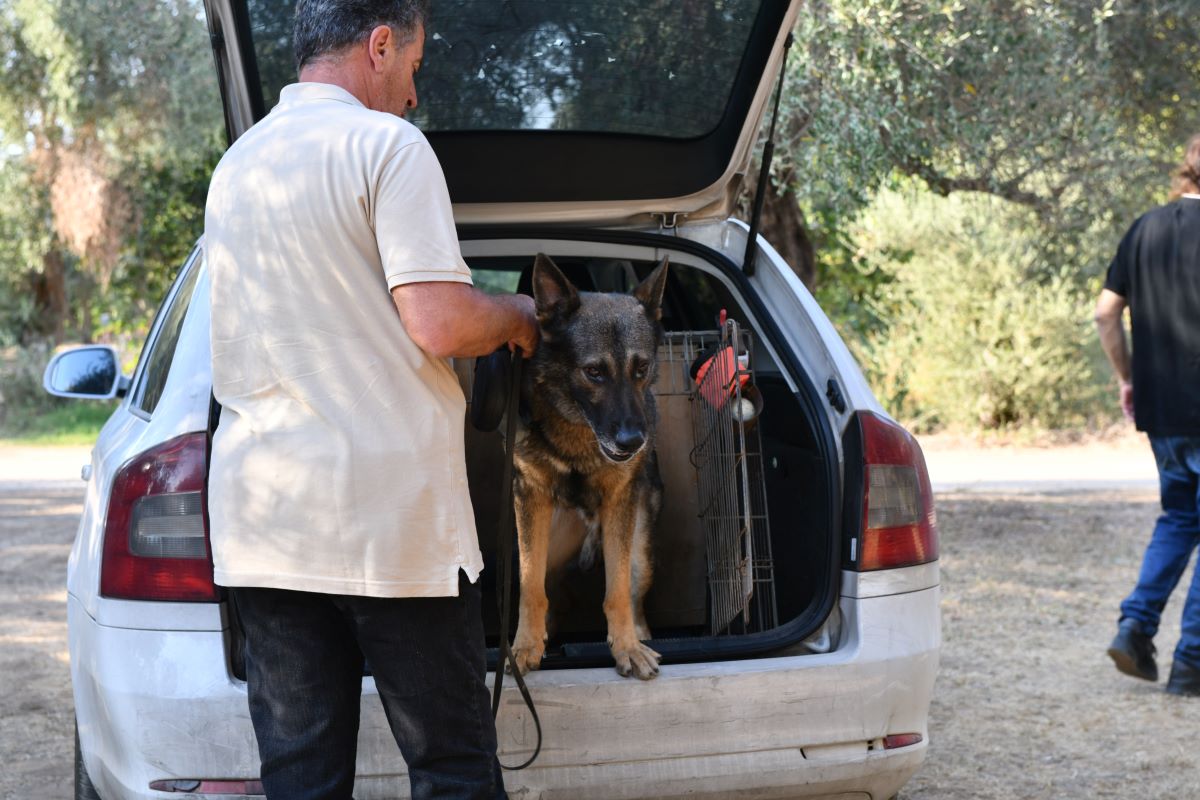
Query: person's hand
{"points": [[1127, 399], [528, 333]]}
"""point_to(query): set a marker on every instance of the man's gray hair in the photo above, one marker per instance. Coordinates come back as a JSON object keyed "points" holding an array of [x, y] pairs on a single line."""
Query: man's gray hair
{"points": [[324, 27]]}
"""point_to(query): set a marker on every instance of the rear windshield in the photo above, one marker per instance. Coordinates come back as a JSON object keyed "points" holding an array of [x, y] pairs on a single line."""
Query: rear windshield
{"points": [[644, 67]]}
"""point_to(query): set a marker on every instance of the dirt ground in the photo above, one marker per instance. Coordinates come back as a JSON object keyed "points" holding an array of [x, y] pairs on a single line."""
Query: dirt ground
{"points": [[37, 525], [1026, 706]]}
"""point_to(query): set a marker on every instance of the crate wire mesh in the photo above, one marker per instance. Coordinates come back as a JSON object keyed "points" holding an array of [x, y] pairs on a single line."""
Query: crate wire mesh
{"points": [[727, 456]]}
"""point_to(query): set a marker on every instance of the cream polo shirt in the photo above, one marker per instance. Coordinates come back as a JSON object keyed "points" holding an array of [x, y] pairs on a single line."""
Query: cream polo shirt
{"points": [[338, 464]]}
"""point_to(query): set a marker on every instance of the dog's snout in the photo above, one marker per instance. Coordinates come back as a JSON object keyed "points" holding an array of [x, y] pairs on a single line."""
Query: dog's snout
{"points": [[630, 439]]}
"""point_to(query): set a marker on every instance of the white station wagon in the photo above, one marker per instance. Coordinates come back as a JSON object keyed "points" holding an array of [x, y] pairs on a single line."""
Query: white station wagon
{"points": [[796, 588]]}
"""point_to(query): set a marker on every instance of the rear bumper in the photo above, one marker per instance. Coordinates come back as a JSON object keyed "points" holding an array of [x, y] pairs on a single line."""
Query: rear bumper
{"points": [[770, 727], [155, 705]]}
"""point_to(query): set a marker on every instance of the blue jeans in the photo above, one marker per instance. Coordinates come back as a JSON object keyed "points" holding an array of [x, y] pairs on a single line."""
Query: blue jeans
{"points": [[1176, 536], [304, 670]]}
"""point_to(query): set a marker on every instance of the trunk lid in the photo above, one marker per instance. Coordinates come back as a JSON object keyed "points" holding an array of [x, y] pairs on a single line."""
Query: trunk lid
{"points": [[573, 111]]}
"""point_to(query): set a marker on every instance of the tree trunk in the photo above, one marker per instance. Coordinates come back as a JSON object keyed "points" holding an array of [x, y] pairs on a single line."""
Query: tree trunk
{"points": [[51, 294]]}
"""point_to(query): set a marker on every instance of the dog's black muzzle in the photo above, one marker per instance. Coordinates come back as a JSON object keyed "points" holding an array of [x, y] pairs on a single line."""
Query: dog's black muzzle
{"points": [[625, 445]]}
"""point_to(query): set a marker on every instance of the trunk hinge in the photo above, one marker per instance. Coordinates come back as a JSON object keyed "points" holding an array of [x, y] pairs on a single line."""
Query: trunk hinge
{"points": [[764, 174], [668, 220]]}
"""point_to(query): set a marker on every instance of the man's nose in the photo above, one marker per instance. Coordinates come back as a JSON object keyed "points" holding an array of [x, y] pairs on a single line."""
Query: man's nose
{"points": [[412, 99]]}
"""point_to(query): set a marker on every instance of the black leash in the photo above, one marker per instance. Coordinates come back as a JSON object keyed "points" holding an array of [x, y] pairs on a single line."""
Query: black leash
{"points": [[504, 559]]}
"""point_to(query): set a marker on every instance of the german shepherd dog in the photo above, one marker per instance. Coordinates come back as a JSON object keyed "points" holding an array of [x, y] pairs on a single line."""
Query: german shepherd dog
{"points": [[588, 447]]}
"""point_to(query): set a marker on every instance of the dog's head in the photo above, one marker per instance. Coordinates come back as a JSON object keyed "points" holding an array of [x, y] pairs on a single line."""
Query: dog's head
{"points": [[597, 359]]}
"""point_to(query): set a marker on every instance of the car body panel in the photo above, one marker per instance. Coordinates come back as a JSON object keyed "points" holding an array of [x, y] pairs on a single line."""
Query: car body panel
{"points": [[884, 582], [156, 699], [804, 725], [155, 693], [183, 408]]}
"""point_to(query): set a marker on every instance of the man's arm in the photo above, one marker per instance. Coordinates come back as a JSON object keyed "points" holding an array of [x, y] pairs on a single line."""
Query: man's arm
{"points": [[1109, 310], [456, 320]]}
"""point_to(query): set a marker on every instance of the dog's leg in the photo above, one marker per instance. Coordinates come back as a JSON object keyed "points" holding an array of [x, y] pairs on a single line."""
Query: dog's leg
{"points": [[619, 519], [643, 571], [534, 510]]}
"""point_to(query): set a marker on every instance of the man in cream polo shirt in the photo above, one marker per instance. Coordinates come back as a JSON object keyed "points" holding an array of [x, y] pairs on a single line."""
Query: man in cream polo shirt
{"points": [[339, 512]]}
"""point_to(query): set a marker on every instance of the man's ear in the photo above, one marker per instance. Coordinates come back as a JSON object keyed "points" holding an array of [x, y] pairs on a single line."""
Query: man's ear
{"points": [[379, 41], [650, 291], [553, 294]]}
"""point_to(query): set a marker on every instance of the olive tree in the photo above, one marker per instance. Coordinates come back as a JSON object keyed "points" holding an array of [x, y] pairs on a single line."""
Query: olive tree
{"points": [[1074, 110], [106, 106]]}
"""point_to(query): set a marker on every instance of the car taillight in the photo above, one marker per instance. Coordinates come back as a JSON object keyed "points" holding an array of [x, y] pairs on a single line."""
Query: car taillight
{"points": [[156, 533], [899, 525]]}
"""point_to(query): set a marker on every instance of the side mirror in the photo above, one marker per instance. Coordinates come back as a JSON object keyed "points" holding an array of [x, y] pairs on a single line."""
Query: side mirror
{"points": [[89, 372]]}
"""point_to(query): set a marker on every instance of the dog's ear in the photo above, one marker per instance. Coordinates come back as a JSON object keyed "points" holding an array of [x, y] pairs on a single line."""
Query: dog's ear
{"points": [[553, 294], [650, 291]]}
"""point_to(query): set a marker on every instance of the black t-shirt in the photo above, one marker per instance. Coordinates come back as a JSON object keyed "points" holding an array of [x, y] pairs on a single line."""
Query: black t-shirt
{"points": [[1157, 271]]}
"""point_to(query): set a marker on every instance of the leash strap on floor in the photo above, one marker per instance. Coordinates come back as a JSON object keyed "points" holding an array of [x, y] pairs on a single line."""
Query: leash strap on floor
{"points": [[504, 574]]}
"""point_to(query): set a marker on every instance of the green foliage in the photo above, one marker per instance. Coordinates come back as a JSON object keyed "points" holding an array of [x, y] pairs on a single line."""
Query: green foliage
{"points": [[22, 242], [967, 327], [1069, 115], [110, 122], [21, 394], [170, 197], [964, 311], [1076, 109], [136, 74], [72, 422]]}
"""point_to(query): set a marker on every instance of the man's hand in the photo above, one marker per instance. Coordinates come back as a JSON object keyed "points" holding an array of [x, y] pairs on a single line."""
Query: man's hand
{"points": [[455, 320], [1110, 308], [1127, 399], [530, 334]]}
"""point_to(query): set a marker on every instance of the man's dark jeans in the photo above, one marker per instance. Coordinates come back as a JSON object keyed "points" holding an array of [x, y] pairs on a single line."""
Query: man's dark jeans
{"points": [[304, 664], [1175, 538]]}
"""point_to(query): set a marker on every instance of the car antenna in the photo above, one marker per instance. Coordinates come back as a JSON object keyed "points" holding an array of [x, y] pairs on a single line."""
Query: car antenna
{"points": [[764, 173]]}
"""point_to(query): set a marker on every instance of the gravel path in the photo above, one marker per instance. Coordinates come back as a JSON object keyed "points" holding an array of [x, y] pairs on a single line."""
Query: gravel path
{"points": [[1027, 705], [37, 526]]}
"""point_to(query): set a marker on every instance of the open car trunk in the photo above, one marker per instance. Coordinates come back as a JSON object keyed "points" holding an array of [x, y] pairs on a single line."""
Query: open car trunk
{"points": [[621, 114], [788, 497], [744, 551]]}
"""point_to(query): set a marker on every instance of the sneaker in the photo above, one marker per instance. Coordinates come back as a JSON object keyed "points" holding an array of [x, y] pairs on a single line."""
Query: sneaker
{"points": [[1133, 651], [1184, 679]]}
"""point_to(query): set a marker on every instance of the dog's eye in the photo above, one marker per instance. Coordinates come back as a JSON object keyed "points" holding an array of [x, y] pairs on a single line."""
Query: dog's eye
{"points": [[593, 373], [640, 371]]}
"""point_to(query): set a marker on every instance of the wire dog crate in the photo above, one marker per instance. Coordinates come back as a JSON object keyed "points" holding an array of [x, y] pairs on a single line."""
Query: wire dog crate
{"points": [[714, 369]]}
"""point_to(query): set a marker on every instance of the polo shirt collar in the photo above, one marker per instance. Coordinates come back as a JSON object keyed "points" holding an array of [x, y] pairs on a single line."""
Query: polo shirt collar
{"points": [[309, 91]]}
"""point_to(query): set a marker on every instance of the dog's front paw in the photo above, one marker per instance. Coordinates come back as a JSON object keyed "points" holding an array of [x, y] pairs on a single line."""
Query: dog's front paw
{"points": [[527, 653], [636, 659]]}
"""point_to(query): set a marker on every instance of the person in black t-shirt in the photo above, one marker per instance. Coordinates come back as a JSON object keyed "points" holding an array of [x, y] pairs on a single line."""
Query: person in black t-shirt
{"points": [[1156, 273]]}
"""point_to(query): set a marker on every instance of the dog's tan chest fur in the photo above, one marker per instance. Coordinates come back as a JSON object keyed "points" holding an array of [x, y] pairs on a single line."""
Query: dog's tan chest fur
{"points": [[557, 453]]}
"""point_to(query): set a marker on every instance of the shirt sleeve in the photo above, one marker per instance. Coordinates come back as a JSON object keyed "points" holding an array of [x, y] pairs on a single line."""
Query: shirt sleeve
{"points": [[414, 223], [1117, 279]]}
